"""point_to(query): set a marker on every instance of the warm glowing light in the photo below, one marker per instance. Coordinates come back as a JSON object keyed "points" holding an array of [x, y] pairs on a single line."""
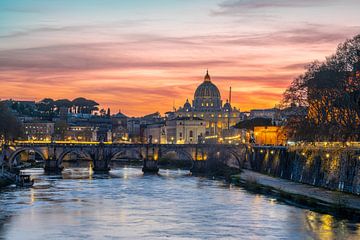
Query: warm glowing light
{"points": [[211, 137], [327, 155], [233, 137]]}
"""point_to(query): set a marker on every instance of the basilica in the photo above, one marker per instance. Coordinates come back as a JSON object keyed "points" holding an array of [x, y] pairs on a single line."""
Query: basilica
{"points": [[208, 106]]}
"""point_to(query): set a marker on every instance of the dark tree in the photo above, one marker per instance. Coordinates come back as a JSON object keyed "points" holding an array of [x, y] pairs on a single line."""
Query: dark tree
{"points": [[10, 127], [63, 103], [85, 105], [330, 92]]}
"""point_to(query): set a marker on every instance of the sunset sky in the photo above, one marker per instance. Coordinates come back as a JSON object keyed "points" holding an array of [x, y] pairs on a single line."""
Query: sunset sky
{"points": [[142, 55]]}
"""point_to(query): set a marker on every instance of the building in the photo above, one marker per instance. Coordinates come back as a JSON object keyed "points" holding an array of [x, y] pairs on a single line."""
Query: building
{"points": [[81, 133], [156, 133], [38, 130], [270, 113], [208, 106], [185, 130], [136, 126], [269, 135]]}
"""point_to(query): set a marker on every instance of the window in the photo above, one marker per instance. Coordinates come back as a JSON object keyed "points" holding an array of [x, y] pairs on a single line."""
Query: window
{"points": [[180, 134], [191, 134]]}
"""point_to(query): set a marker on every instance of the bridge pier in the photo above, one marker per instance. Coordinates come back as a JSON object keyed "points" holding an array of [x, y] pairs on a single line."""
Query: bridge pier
{"points": [[150, 166], [199, 166], [101, 167], [51, 166]]}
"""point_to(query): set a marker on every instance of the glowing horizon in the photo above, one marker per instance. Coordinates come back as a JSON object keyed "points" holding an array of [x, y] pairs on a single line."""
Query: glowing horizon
{"points": [[140, 56]]}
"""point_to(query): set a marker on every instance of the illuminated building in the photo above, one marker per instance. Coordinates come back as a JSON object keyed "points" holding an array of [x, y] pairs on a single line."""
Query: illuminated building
{"points": [[185, 130], [208, 106], [81, 133], [155, 133], [269, 135], [38, 130]]}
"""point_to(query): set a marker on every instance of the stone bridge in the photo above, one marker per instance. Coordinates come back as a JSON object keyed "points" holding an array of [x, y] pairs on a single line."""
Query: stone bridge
{"points": [[101, 154]]}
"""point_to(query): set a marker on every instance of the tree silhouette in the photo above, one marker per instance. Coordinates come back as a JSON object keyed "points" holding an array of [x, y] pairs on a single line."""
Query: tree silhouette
{"points": [[330, 91], [10, 127]]}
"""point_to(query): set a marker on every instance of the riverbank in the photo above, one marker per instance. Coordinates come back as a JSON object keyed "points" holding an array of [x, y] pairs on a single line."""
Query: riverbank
{"points": [[318, 199]]}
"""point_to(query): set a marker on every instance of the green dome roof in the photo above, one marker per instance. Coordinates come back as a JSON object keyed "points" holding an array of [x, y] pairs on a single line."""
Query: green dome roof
{"points": [[207, 89]]}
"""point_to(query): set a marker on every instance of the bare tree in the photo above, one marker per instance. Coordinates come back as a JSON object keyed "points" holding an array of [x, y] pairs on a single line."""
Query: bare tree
{"points": [[330, 91]]}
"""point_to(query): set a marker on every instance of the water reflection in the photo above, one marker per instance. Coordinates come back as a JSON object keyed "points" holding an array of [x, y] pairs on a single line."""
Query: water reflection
{"points": [[78, 204]]}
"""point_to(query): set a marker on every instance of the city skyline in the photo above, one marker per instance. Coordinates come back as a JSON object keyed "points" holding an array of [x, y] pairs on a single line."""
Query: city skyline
{"points": [[141, 56]]}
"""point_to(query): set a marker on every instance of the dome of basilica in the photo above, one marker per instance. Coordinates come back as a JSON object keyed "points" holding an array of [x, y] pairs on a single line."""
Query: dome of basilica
{"points": [[207, 89]]}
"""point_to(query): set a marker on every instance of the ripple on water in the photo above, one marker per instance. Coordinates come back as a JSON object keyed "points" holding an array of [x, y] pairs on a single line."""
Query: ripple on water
{"points": [[128, 204]]}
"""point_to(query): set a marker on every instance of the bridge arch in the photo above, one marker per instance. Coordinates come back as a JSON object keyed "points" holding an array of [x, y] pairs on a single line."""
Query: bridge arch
{"points": [[231, 156], [15, 154], [78, 152], [125, 152], [237, 157], [179, 152]]}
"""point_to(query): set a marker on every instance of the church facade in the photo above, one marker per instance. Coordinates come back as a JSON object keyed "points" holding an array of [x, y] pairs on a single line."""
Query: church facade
{"points": [[208, 106]]}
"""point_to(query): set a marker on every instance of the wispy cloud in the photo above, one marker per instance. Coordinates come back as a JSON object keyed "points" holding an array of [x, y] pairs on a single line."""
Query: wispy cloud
{"points": [[140, 60], [237, 7]]}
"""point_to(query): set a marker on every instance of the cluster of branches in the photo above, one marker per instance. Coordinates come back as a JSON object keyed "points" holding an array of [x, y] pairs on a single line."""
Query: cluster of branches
{"points": [[84, 105], [330, 90], [10, 127]]}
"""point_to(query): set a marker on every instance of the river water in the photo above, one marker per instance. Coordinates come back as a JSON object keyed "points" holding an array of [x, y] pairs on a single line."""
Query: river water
{"points": [[126, 204]]}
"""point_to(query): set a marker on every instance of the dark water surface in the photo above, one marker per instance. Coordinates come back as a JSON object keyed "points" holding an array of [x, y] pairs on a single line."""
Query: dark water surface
{"points": [[173, 205]]}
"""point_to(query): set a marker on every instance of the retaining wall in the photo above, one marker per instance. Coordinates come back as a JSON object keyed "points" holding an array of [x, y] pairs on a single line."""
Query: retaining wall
{"points": [[335, 168]]}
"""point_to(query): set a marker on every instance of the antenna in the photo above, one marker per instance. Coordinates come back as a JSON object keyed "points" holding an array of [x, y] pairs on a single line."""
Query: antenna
{"points": [[230, 95]]}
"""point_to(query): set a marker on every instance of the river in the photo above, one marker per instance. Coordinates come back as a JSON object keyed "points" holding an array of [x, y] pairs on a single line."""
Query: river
{"points": [[172, 205]]}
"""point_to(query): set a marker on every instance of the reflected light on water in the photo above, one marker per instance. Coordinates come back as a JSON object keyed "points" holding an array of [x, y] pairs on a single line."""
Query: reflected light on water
{"points": [[172, 205]]}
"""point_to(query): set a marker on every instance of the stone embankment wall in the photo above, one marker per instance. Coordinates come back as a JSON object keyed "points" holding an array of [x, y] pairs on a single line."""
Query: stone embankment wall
{"points": [[335, 168]]}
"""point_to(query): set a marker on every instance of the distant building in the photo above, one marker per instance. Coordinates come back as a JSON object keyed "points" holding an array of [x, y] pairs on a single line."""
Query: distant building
{"points": [[134, 129], [186, 130], [136, 126], [156, 133], [208, 106], [119, 119], [81, 133], [38, 130], [270, 113], [269, 135]]}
